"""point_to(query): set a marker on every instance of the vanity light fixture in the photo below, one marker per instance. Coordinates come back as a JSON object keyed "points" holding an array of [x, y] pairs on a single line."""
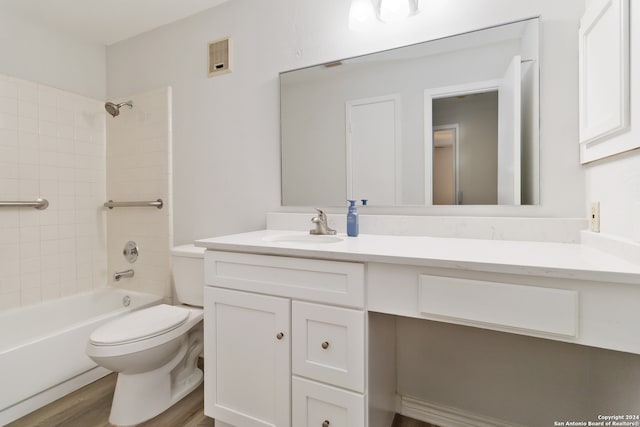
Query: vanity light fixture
{"points": [[363, 13], [393, 10]]}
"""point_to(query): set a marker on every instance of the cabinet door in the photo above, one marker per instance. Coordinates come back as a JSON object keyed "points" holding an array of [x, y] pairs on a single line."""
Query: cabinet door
{"points": [[247, 341]]}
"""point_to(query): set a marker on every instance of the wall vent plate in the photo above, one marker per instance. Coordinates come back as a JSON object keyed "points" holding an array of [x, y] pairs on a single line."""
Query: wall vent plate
{"points": [[220, 57]]}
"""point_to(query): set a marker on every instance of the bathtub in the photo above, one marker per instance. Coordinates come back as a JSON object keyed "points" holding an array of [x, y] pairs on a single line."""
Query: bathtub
{"points": [[42, 346]]}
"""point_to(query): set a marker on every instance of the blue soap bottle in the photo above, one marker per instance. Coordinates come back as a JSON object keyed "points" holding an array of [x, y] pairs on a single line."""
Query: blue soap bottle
{"points": [[352, 219]]}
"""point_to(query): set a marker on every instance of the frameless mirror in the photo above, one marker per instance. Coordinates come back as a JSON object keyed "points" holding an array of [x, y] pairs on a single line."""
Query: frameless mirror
{"points": [[451, 121]]}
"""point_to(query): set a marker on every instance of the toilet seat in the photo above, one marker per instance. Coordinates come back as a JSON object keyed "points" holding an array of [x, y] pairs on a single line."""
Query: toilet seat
{"points": [[140, 325]]}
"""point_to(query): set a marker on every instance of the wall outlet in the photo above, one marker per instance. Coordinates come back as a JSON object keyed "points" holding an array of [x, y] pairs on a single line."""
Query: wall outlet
{"points": [[594, 217]]}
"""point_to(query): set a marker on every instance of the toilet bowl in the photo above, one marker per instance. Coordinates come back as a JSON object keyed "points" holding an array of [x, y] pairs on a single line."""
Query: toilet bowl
{"points": [[155, 350]]}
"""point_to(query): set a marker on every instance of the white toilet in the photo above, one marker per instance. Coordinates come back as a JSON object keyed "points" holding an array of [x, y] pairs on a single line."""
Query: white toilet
{"points": [[155, 350]]}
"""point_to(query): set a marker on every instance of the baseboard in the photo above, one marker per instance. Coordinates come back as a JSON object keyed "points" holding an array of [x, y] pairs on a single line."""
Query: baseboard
{"points": [[447, 416]]}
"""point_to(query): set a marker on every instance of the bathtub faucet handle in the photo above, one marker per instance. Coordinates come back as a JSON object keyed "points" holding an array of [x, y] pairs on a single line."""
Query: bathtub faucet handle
{"points": [[122, 274]]}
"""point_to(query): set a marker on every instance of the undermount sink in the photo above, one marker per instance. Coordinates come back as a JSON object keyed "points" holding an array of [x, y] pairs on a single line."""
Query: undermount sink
{"points": [[303, 238]]}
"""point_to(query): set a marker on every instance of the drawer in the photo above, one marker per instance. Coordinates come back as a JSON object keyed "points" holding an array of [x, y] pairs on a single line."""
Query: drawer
{"points": [[319, 405], [328, 344], [334, 282], [509, 306]]}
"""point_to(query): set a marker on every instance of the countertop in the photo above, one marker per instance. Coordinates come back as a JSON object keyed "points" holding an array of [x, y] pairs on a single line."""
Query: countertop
{"points": [[543, 259]]}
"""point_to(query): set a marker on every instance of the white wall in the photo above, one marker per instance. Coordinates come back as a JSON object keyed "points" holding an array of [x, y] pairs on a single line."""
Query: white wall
{"points": [[523, 380], [225, 144], [226, 131], [615, 182], [30, 51], [52, 145]]}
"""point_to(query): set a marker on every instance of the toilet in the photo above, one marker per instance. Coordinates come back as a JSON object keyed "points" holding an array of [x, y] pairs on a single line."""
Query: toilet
{"points": [[155, 350]]}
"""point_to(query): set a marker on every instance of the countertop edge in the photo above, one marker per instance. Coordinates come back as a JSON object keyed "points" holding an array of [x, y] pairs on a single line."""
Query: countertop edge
{"points": [[226, 243]]}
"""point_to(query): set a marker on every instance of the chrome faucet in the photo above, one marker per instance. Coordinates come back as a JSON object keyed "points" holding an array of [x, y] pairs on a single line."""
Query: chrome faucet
{"points": [[320, 221], [122, 274]]}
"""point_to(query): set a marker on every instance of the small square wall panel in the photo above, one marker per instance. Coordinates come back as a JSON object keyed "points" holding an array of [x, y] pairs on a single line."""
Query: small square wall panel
{"points": [[220, 57]]}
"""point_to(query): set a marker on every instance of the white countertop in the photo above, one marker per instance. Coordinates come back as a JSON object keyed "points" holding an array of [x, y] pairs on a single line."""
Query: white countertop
{"points": [[543, 259]]}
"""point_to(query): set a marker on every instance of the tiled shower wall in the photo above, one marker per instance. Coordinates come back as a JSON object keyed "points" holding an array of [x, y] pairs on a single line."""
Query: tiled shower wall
{"points": [[52, 145], [139, 169]]}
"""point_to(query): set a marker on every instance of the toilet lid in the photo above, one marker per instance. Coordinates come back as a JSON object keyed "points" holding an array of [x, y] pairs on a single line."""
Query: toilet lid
{"points": [[140, 324]]}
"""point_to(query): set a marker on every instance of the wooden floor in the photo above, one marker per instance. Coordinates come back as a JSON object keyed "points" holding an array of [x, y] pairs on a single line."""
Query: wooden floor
{"points": [[90, 406]]}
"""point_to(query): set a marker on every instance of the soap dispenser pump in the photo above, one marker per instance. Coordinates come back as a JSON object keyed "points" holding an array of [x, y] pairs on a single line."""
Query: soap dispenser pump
{"points": [[352, 219]]}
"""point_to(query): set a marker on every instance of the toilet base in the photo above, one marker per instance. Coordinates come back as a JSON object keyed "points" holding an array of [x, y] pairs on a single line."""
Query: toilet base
{"points": [[140, 397], [137, 404]]}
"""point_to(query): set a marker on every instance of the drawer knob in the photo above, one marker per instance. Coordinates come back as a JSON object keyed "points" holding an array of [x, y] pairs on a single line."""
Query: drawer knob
{"points": [[326, 423], [325, 345], [280, 335]]}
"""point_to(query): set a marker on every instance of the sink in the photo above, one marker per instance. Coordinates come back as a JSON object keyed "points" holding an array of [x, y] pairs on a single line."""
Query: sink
{"points": [[303, 238]]}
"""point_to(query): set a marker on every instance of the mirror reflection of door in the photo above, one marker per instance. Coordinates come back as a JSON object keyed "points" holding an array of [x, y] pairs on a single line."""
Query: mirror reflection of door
{"points": [[445, 168], [373, 144]]}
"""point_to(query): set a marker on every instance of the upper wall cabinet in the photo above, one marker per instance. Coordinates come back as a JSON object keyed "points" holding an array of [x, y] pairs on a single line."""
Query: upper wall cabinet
{"points": [[604, 78]]}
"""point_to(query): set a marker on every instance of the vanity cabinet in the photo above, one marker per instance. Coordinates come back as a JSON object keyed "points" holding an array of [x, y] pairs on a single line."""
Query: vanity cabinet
{"points": [[277, 324], [345, 357]]}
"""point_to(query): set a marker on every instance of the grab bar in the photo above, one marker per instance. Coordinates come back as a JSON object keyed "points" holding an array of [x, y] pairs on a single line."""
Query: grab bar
{"points": [[39, 203], [155, 203]]}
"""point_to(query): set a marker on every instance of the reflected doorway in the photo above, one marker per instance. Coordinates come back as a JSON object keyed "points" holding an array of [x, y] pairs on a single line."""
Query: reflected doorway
{"points": [[445, 165], [476, 151]]}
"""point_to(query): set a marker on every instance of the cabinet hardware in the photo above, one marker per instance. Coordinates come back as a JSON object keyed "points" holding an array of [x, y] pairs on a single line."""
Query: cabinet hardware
{"points": [[280, 335], [325, 345], [326, 423]]}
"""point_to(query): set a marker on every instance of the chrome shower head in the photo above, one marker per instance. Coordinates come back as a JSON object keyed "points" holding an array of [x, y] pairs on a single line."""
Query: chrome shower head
{"points": [[114, 109]]}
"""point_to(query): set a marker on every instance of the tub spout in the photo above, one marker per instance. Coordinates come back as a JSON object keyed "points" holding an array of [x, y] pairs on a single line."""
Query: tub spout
{"points": [[122, 274]]}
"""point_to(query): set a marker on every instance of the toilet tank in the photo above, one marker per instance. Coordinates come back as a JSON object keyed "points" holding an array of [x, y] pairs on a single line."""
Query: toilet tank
{"points": [[188, 274]]}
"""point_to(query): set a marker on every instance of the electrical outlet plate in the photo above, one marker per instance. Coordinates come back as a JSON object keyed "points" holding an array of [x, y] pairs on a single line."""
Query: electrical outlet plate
{"points": [[594, 217]]}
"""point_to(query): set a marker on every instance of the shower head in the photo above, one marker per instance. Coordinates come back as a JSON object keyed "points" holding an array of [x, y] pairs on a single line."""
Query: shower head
{"points": [[114, 109]]}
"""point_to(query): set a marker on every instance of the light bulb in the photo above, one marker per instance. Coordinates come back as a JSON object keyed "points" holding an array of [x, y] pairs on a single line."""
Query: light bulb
{"points": [[394, 10], [361, 15]]}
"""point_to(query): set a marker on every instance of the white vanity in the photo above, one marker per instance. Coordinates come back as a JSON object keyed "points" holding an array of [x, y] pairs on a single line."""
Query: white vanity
{"points": [[298, 332]]}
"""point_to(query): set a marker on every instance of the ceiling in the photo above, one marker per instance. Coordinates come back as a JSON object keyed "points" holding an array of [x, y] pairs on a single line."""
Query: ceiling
{"points": [[106, 21]]}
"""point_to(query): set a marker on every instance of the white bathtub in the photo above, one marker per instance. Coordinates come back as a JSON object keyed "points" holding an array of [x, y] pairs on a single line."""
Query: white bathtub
{"points": [[42, 347]]}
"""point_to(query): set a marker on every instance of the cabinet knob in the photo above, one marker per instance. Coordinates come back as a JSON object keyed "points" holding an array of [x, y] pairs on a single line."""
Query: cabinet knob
{"points": [[326, 423], [280, 335], [325, 345]]}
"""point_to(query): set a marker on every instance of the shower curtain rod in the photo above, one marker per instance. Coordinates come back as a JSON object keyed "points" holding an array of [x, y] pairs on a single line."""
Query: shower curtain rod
{"points": [[39, 204]]}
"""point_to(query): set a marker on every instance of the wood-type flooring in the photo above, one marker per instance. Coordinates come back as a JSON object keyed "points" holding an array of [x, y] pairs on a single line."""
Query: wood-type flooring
{"points": [[90, 406]]}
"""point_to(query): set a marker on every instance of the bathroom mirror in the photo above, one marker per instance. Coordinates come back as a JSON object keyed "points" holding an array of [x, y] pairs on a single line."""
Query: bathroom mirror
{"points": [[451, 121]]}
